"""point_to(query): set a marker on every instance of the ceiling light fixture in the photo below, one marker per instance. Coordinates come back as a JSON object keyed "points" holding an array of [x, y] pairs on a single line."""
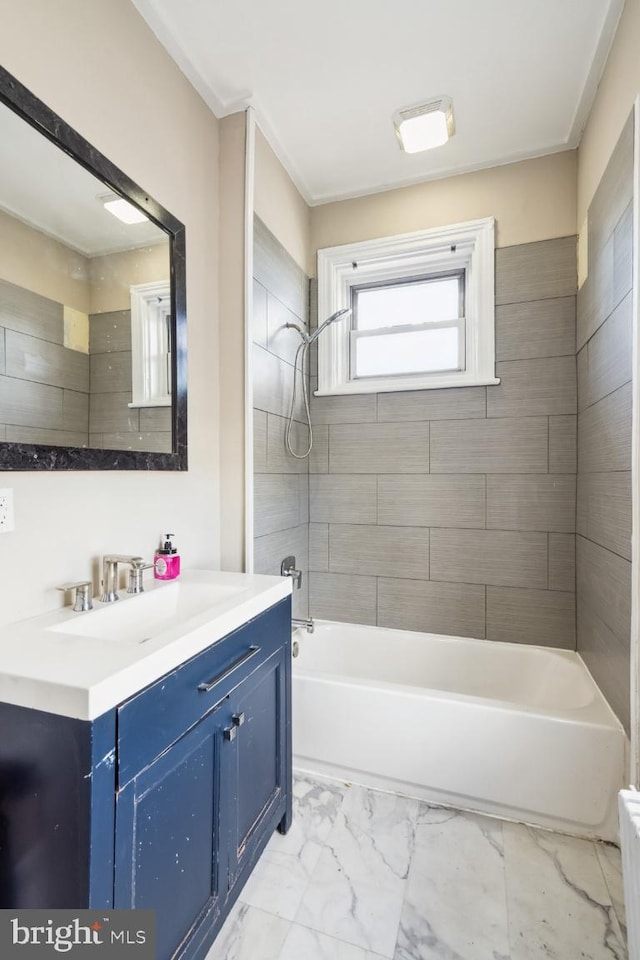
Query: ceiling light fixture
{"points": [[425, 125], [122, 209]]}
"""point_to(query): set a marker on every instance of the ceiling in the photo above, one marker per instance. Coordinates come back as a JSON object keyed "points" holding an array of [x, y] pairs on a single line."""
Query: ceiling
{"points": [[325, 79]]}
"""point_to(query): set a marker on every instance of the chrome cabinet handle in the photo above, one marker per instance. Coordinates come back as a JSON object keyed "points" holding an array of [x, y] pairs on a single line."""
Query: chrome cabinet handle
{"points": [[238, 719], [208, 685], [230, 733]]}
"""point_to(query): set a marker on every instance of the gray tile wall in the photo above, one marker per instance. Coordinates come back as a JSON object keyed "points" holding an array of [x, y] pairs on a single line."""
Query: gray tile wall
{"points": [[44, 386], [112, 423], [281, 482], [453, 511], [603, 524]]}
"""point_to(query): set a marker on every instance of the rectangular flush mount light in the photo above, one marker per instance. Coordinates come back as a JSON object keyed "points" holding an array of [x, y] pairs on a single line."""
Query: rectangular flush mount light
{"points": [[122, 209], [424, 126]]}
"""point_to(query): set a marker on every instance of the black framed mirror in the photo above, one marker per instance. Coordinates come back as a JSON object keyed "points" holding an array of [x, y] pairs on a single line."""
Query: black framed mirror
{"points": [[93, 357]]}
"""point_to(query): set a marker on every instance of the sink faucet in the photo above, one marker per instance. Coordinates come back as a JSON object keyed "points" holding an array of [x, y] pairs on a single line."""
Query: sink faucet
{"points": [[110, 574]]}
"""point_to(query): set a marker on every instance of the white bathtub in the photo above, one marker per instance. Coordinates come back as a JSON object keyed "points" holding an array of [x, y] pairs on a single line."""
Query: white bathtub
{"points": [[516, 731]]}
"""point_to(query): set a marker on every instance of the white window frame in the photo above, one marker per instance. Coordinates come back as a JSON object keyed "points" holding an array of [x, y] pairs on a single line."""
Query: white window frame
{"points": [[150, 351], [462, 246]]}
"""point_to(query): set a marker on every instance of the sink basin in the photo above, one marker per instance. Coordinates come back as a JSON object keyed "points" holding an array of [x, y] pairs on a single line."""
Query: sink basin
{"points": [[138, 618]]}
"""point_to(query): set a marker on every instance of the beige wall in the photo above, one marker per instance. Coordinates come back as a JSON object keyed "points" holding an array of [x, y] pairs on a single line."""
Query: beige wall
{"points": [[618, 89], [113, 274], [66, 53], [43, 265], [31, 259], [232, 338], [531, 200], [280, 207]]}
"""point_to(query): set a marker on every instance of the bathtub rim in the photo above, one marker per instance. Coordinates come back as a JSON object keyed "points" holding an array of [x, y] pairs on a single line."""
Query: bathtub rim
{"points": [[605, 715]]}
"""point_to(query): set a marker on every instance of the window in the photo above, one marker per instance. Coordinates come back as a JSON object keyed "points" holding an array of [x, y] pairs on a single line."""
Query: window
{"points": [[422, 311], [151, 344]]}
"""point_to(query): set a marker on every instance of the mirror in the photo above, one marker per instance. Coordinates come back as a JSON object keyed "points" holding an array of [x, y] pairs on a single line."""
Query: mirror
{"points": [[92, 305]]}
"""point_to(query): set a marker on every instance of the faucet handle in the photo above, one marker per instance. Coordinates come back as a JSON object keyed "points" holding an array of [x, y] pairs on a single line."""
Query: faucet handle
{"points": [[83, 598], [138, 565], [288, 569]]}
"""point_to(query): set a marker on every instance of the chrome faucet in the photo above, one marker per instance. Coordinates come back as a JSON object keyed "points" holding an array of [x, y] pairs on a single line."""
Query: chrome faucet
{"points": [[110, 574]]}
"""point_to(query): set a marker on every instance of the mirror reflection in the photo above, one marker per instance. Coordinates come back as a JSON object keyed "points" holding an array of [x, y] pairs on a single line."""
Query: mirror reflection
{"points": [[76, 368]]}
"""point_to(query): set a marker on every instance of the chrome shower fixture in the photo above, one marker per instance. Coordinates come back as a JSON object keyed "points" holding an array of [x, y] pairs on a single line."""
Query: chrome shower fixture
{"points": [[303, 349], [311, 338]]}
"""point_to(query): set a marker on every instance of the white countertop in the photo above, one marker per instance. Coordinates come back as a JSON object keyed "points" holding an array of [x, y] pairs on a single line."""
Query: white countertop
{"points": [[74, 674]]}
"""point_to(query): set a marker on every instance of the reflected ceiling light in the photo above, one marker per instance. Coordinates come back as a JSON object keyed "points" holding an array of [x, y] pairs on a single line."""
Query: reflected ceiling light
{"points": [[425, 125], [122, 209]]}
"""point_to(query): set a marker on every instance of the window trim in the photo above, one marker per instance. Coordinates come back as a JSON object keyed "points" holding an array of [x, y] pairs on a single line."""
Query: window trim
{"points": [[464, 246]]}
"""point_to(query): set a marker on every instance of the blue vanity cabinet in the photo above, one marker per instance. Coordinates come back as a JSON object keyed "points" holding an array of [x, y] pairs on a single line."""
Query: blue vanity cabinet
{"points": [[260, 764], [204, 777]]}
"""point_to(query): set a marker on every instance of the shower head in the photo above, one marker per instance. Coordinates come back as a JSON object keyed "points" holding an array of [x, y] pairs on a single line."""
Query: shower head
{"points": [[338, 315]]}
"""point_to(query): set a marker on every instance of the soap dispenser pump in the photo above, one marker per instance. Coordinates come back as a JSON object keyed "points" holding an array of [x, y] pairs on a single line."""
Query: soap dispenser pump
{"points": [[166, 562]]}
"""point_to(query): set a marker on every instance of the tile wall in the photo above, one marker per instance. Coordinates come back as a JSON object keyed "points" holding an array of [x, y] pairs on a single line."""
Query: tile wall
{"points": [[281, 483], [112, 423], [51, 394], [604, 335], [453, 511], [44, 387]]}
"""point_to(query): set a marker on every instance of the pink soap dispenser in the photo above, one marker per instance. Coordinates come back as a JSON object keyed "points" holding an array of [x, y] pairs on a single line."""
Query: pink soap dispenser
{"points": [[166, 562]]}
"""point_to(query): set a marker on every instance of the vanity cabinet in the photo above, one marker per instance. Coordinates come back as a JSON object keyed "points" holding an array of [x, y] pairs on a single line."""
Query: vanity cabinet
{"points": [[175, 814]]}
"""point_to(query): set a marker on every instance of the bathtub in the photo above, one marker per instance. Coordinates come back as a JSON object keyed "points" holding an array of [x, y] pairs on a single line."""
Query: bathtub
{"points": [[514, 731]]}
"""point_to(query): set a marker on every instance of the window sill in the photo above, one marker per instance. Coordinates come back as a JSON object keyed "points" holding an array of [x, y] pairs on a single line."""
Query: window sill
{"points": [[157, 402], [396, 385]]}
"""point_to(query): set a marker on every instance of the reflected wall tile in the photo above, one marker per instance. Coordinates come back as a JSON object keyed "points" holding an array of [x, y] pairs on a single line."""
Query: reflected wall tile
{"points": [[110, 413], [33, 359], [110, 332], [30, 313], [26, 404]]}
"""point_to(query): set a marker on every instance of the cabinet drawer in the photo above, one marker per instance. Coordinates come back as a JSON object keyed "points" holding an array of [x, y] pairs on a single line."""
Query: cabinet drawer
{"points": [[157, 716]]}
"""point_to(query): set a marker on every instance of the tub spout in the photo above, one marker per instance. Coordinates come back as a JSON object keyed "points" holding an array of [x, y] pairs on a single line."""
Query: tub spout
{"points": [[308, 625]]}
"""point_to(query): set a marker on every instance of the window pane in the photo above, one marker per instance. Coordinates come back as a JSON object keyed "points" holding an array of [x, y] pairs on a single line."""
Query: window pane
{"points": [[415, 302], [425, 351]]}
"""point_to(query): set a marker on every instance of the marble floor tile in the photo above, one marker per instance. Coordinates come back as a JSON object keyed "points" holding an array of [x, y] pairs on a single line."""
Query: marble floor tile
{"points": [[558, 903], [305, 944], [455, 904], [249, 934], [281, 877], [611, 863], [357, 888]]}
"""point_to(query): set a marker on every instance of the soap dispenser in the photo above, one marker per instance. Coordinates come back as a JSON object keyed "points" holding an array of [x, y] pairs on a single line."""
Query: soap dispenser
{"points": [[166, 562]]}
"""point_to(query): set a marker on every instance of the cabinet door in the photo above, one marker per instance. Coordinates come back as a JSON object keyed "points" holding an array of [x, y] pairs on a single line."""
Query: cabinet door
{"points": [[260, 760], [167, 835]]}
